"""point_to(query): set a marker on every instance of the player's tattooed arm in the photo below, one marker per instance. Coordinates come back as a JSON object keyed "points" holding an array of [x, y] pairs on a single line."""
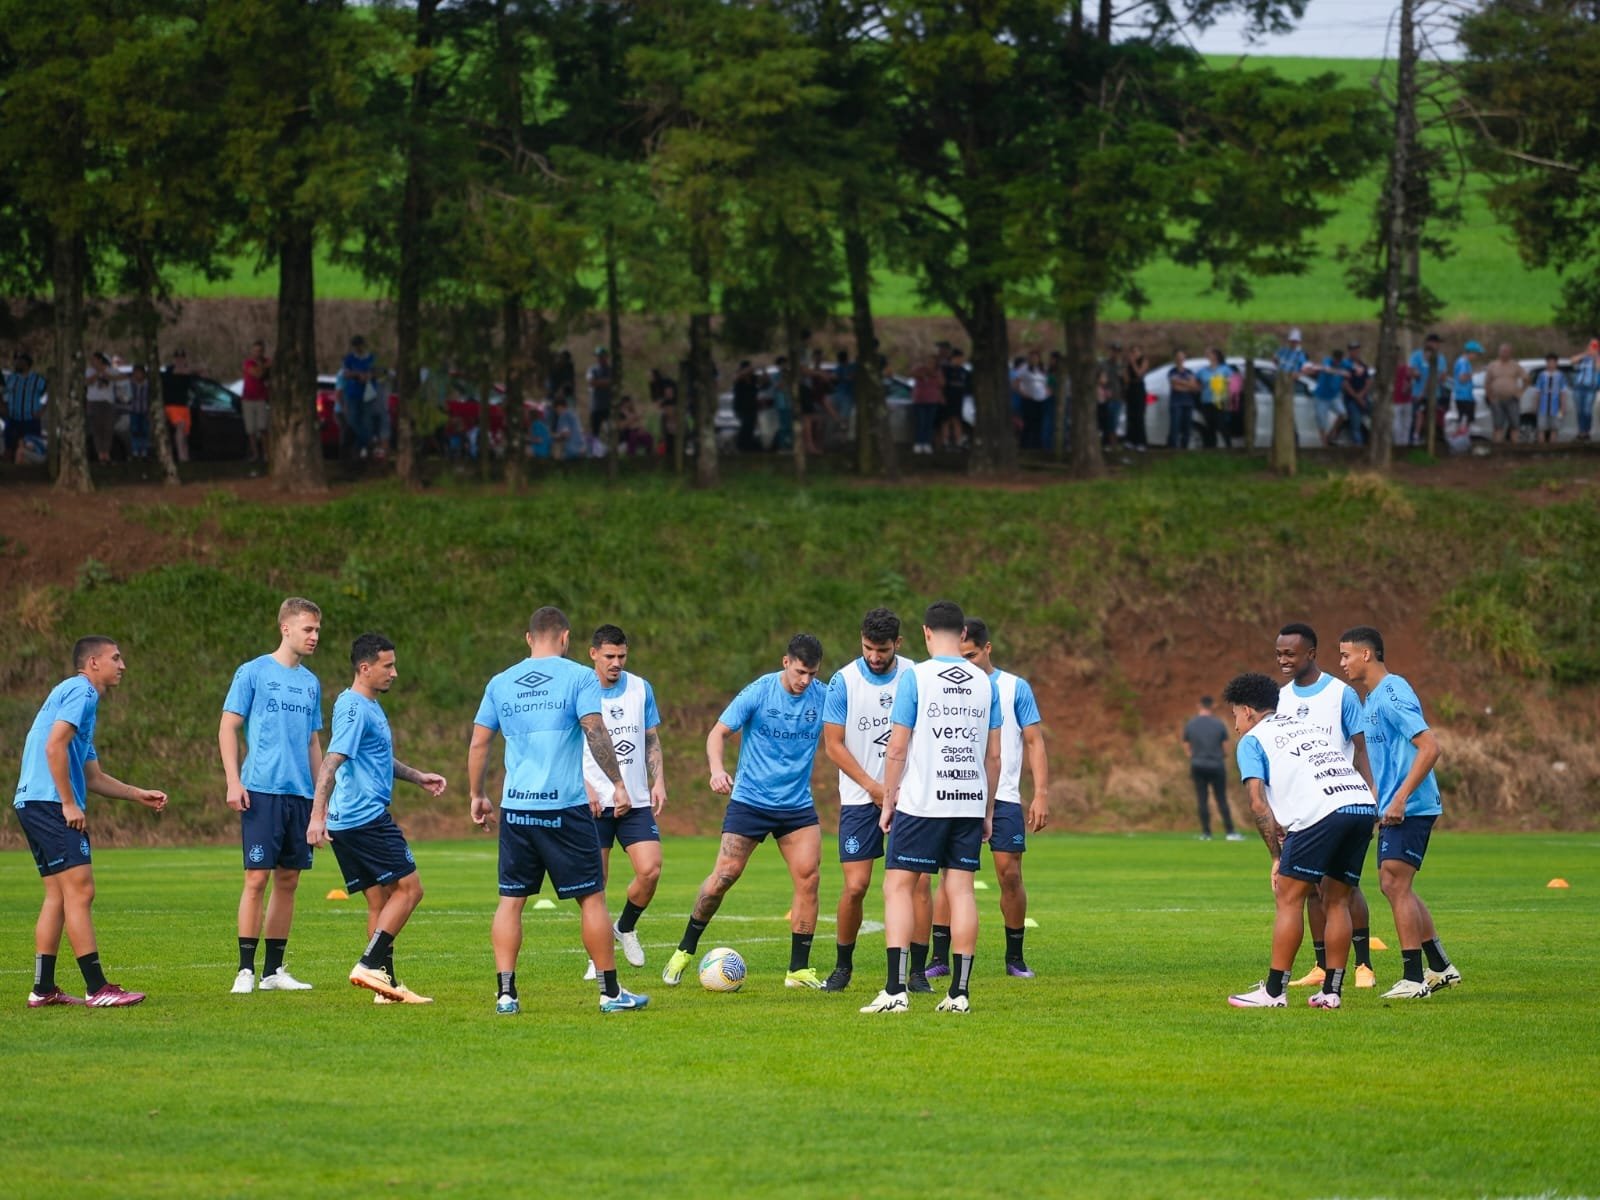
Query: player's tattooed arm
{"points": [[317, 830], [426, 780], [605, 755], [655, 763], [1261, 811]]}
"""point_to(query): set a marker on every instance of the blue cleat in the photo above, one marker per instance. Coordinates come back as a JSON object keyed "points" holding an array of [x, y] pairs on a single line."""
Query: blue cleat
{"points": [[623, 1001]]}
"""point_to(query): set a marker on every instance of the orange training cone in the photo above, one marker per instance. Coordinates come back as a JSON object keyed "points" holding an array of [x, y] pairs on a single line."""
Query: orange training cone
{"points": [[1558, 882], [1376, 944], [338, 894]]}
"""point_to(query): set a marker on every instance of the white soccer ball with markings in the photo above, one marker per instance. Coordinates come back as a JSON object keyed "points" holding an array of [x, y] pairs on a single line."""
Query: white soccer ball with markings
{"points": [[722, 970]]}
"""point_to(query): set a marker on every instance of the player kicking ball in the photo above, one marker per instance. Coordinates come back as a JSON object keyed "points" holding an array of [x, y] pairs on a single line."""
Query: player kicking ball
{"points": [[351, 809], [1315, 813]]}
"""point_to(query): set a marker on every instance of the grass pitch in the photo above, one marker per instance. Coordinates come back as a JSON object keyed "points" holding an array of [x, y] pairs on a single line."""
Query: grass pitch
{"points": [[1120, 1071]]}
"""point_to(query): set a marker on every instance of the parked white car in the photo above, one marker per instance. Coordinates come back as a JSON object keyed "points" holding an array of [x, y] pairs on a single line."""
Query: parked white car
{"points": [[1157, 416]]}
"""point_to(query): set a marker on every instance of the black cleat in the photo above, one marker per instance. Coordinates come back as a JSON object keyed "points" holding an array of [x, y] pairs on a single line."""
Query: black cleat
{"points": [[838, 981], [918, 982]]}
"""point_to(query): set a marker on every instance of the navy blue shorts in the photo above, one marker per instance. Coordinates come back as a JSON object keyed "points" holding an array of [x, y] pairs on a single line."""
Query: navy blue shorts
{"points": [[16, 430], [747, 820], [1407, 841], [273, 831], [860, 839], [56, 845], [1335, 846], [931, 844], [1010, 833], [562, 842], [374, 854], [637, 825]]}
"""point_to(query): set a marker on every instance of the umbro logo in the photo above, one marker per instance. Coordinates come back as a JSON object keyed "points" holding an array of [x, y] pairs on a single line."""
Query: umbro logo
{"points": [[956, 675], [882, 739], [533, 679], [624, 748]]}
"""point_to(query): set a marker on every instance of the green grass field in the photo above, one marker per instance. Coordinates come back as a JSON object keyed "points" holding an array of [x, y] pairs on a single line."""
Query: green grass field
{"points": [[1119, 1072], [1484, 282]]}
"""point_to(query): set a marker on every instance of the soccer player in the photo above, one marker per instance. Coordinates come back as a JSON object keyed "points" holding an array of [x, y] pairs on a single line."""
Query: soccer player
{"points": [[779, 719], [628, 708], [946, 719], [855, 730], [1315, 814], [547, 707], [276, 702], [1333, 707], [59, 768], [350, 807], [1403, 753], [1021, 732]]}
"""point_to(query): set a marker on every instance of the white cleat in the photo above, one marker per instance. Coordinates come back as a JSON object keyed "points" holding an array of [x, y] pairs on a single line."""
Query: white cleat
{"points": [[588, 972], [1324, 1000], [281, 981], [244, 983], [953, 1004], [886, 1002], [1439, 980], [1407, 989], [631, 949], [1260, 998]]}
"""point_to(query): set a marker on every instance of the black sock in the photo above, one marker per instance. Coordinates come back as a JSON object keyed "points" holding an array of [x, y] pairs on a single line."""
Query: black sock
{"points": [[380, 952], [799, 951], [1411, 960], [846, 957], [690, 942], [247, 954], [44, 974], [93, 977], [941, 944], [919, 957], [1333, 983], [505, 983], [1320, 949], [1014, 944], [630, 916], [960, 973], [1361, 946], [608, 984], [1438, 960], [1275, 982], [897, 971], [275, 949]]}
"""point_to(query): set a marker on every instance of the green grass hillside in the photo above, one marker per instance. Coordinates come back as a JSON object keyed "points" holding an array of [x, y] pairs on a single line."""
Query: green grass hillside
{"points": [[1106, 594]]}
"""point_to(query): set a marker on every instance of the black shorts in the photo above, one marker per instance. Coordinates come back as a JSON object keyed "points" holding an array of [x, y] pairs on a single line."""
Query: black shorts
{"points": [[562, 843], [1335, 846], [1010, 833], [56, 846], [746, 820], [860, 838], [16, 430], [372, 855], [1406, 842], [929, 845], [273, 832], [637, 825]]}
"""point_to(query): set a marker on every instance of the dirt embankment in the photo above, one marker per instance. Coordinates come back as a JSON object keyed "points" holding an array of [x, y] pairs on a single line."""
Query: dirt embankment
{"points": [[1517, 754]]}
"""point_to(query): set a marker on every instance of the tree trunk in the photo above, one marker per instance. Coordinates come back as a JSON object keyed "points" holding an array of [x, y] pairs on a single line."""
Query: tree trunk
{"points": [[701, 386], [994, 449], [1397, 221], [69, 454], [296, 449], [1247, 398], [793, 348], [1284, 457], [1430, 402], [874, 429], [415, 210], [150, 353], [614, 341], [511, 365], [1078, 329]]}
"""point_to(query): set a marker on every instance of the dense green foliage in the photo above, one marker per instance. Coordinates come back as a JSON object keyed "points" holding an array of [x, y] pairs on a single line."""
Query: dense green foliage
{"points": [[711, 586], [1119, 1072]]}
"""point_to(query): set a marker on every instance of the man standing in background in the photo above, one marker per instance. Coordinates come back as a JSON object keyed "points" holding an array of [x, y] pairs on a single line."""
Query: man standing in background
{"points": [[1203, 739]]}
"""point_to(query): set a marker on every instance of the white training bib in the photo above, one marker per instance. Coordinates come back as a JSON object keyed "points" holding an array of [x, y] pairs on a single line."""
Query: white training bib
{"points": [[1009, 790], [1309, 774], [868, 703], [944, 764], [624, 718], [1325, 710]]}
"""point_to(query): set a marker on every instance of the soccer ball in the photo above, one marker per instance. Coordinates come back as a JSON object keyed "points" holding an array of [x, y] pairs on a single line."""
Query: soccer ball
{"points": [[722, 970]]}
